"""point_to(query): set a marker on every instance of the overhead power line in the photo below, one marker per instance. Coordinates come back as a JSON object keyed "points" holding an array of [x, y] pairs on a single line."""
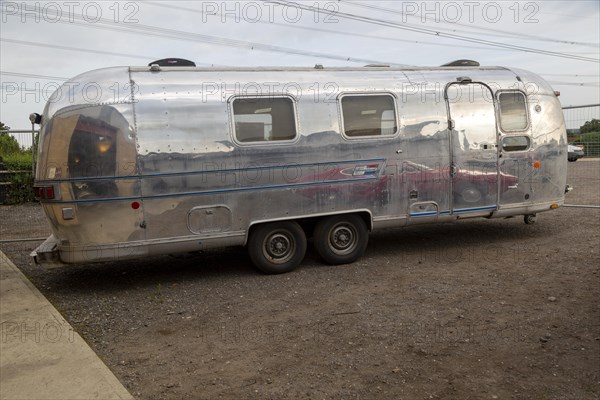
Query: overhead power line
{"points": [[37, 76], [92, 51], [336, 32], [573, 75], [180, 35], [22, 75], [431, 32], [585, 84], [490, 31], [23, 89], [315, 29], [155, 31]]}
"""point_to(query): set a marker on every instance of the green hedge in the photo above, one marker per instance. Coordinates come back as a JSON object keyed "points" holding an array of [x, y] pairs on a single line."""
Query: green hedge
{"points": [[17, 162], [20, 189]]}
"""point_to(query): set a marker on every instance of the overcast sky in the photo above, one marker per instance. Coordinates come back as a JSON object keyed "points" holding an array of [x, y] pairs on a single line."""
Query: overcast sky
{"points": [[43, 42]]}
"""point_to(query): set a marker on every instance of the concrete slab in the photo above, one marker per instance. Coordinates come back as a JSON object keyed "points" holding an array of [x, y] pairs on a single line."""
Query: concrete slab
{"points": [[41, 356]]}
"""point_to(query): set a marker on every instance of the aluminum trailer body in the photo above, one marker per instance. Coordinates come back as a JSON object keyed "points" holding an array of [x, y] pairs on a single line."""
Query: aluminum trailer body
{"points": [[141, 161]]}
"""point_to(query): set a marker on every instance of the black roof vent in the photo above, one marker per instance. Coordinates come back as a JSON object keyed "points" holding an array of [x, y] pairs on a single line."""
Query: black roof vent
{"points": [[173, 62], [462, 63]]}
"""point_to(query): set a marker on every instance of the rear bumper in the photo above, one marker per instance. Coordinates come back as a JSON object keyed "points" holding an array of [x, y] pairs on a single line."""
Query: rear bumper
{"points": [[47, 254], [53, 254]]}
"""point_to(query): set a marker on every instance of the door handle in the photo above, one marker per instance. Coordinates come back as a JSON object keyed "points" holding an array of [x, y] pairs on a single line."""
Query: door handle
{"points": [[453, 170]]}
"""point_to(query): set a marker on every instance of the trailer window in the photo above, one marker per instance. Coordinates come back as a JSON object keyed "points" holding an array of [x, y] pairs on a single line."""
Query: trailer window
{"points": [[93, 151], [515, 143], [264, 119], [369, 115], [513, 111]]}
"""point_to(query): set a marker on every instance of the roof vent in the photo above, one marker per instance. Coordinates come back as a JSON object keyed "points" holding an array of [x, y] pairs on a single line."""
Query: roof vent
{"points": [[319, 66], [462, 63], [173, 62]]}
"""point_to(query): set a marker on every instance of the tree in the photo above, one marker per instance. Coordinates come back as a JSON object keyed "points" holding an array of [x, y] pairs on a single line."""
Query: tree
{"points": [[8, 144], [3, 128], [590, 126]]}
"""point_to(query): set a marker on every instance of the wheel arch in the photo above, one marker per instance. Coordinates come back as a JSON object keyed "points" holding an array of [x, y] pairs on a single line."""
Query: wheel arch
{"points": [[308, 222]]}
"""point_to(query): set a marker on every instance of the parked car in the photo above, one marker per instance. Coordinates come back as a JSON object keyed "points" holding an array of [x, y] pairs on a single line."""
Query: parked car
{"points": [[470, 184], [574, 153]]}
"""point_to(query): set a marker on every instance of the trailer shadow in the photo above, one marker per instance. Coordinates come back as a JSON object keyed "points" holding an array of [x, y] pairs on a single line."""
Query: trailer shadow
{"points": [[476, 233], [222, 267], [125, 275]]}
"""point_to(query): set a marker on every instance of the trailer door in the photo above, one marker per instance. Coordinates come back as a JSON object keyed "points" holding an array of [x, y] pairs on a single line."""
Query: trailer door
{"points": [[473, 166]]}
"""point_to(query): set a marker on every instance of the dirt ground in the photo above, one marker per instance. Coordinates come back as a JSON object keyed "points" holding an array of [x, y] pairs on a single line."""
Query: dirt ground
{"points": [[477, 309]]}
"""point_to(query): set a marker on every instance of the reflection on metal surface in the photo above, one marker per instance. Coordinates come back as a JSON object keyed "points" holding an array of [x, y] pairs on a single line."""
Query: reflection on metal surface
{"points": [[182, 160]]}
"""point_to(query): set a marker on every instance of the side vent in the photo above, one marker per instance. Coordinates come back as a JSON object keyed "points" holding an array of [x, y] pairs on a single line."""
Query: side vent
{"points": [[462, 63]]}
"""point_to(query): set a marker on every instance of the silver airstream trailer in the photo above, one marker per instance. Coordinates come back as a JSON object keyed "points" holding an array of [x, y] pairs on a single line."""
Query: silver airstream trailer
{"points": [[141, 161]]}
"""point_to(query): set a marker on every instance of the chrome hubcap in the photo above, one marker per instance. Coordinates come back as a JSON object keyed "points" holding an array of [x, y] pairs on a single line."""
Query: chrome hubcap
{"points": [[342, 239], [279, 247]]}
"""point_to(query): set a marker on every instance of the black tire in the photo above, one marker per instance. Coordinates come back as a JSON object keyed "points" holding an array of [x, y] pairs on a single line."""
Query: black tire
{"points": [[341, 239], [529, 219], [277, 247]]}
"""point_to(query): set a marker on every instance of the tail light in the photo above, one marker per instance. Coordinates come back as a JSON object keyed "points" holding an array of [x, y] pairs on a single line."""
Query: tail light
{"points": [[46, 192]]}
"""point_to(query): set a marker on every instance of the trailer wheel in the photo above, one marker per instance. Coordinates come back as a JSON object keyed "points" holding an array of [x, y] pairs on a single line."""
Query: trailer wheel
{"points": [[341, 239], [529, 219], [277, 247]]}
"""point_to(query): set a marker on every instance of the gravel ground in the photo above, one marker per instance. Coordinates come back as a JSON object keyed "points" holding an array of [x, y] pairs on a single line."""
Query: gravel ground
{"points": [[476, 309]]}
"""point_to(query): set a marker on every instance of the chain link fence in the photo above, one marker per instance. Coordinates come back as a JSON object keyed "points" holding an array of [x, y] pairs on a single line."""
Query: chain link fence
{"points": [[583, 128], [26, 138]]}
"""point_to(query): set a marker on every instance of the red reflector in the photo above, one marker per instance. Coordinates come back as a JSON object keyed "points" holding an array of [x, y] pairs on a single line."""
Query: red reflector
{"points": [[135, 205], [45, 192], [49, 192]]}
